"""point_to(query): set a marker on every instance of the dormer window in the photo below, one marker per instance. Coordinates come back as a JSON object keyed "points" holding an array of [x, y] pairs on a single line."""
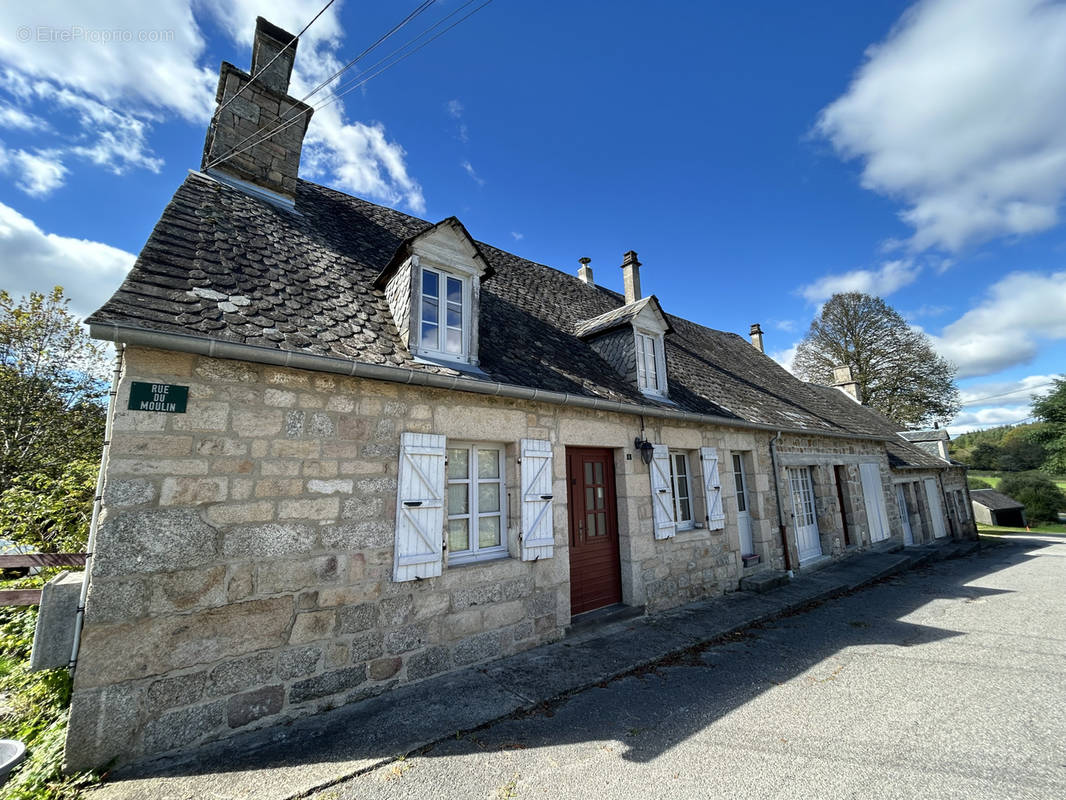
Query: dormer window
{"points": [[445, 310], [648, 369], [433, 288]]}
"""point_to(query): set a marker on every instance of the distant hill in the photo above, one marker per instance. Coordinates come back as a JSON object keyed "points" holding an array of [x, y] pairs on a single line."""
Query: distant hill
{"points": [[1012, 448]]}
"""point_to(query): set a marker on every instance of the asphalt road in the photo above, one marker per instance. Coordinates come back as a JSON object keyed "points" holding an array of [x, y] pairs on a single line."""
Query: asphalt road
{"points": [[949, 681]]}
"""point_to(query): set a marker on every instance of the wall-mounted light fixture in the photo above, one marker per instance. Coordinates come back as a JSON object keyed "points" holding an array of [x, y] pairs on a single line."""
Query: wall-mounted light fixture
{"points": [[646, 449]]}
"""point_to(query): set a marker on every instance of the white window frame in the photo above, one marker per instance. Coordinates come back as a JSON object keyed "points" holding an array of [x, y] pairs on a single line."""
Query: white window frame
{"points": [[440, 350], [475, 552], [655, 341], [683, 524]]}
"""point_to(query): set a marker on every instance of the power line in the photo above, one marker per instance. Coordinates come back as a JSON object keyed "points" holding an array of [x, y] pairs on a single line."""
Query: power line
{"points": [[363, 80], [412, 15], [1005, 394], [275, 58]]}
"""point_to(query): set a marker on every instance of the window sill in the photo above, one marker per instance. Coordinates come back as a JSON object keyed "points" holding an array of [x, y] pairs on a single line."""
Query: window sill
{"points": [[459, 366], [467, 561]]}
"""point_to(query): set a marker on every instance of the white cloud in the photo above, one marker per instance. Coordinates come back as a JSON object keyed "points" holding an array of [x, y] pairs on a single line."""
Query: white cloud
{"points": [[119, 67], [884, 280], [1005, 328], [32, 260], [926, 310], [37, 174], [468, 168], [17, 119], [786, 325], [988, 418], [959, 114], [1001, 393], [518, 236], [785, 357], [455, 109]]}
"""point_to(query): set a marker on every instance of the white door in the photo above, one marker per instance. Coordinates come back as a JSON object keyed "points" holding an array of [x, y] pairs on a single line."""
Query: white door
{"points": [[873, 496], [901, 500], [802, 491], [936, 511], [747, 548]]}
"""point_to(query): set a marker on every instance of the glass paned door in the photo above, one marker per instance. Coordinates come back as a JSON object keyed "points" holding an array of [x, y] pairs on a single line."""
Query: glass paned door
{"points": [[808, 542], [747, 548]]}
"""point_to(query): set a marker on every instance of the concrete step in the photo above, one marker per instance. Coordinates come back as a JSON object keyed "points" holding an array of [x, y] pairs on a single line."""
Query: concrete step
{"points": [[763, 582]]}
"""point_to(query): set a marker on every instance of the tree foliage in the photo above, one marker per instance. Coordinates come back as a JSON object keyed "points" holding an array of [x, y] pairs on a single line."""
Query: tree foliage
{"points": [[1043, 500], [51, 388], [898, 372], [1051, 410], [48, 513]]}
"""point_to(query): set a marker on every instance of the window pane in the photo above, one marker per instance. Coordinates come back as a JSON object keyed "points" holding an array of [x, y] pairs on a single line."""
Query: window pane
{"points": [[488, 531], [488, 463], [429, 310], [430, 287], [686, 510], [597, 472], [680, 464], [458, 535], [601, 524], [455, 291], [455, 316], [458, 463], [590, 501], [488, 497], [453, 342], [588, 472], [458, 498], [429, 336]]}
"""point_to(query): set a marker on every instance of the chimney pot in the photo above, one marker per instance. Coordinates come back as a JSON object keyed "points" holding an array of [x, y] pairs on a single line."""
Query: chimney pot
{"points": [[272, 46], [585, 272], [631, 276], [756, 337]]}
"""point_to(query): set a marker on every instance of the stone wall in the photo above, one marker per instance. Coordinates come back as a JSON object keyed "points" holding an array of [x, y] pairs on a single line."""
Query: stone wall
{"points": [[243, 568]]}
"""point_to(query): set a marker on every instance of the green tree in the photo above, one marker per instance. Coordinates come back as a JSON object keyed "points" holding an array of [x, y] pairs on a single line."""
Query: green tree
{"points": [[898, 372], [1043, 500], [978, 483], [48, 513], [1051, 410], [984, 456], [1020, 453], [51, 388]]}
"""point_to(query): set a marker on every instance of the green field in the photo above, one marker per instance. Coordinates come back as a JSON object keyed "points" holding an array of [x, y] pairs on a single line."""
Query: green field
{"points": [[1043, 528], [995, 477]]}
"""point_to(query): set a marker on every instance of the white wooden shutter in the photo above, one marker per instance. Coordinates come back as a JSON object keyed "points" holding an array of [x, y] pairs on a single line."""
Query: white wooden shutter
{"points": [[873, 496], [419, 507], [712, 488], [537, 537], [662, 493], [936, 510]]}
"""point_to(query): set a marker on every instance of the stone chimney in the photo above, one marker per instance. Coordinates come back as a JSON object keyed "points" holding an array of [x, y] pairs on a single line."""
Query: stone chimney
{"points": [[756, 337], [585, 273], [249, 110], [844, 380], [631, 276]]}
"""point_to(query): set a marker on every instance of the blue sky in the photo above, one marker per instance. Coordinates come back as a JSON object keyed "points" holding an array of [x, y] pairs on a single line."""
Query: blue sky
{"points": [[757, 156]]}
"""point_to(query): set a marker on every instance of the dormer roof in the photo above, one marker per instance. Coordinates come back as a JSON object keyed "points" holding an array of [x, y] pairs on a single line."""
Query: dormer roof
{"points": [[447, 228], [647, 308]]}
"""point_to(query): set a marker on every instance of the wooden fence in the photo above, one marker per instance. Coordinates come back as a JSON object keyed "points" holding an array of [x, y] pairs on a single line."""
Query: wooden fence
{"points": [[32, 597]]}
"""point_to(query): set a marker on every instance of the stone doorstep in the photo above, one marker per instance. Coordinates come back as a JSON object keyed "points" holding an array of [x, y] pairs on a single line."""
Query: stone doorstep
{"points": [[222, 769]]}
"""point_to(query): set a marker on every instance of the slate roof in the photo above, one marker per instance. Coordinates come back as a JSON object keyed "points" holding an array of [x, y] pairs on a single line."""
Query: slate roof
{"points": [[993, 500], [221, 264], [926, 436], [616, 317]]}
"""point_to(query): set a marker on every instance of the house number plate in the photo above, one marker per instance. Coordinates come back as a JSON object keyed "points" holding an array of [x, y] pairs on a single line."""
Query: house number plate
{"points": [[165, 397]]}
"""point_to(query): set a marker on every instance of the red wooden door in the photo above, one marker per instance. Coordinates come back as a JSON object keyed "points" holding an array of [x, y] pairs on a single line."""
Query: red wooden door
{"points": [[595, 571]]}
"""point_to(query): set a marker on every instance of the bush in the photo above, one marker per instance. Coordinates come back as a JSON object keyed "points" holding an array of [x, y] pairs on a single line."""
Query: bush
{"points": [[979, 483], [50, 514], [38, 705], [1043, 500]]}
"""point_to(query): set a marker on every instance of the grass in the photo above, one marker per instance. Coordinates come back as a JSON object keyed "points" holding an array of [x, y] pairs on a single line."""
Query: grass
{"points": [[994, 478], [1044, 527], [33, 709]]}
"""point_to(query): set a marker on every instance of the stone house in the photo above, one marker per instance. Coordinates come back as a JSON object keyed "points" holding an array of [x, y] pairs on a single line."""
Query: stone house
{"points": [[350, 449]]}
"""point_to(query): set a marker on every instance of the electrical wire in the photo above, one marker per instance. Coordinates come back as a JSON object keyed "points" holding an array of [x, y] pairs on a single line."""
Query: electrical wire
{"points": [[1005, 394], [361, 81], [275, 58], [418, 10]]}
